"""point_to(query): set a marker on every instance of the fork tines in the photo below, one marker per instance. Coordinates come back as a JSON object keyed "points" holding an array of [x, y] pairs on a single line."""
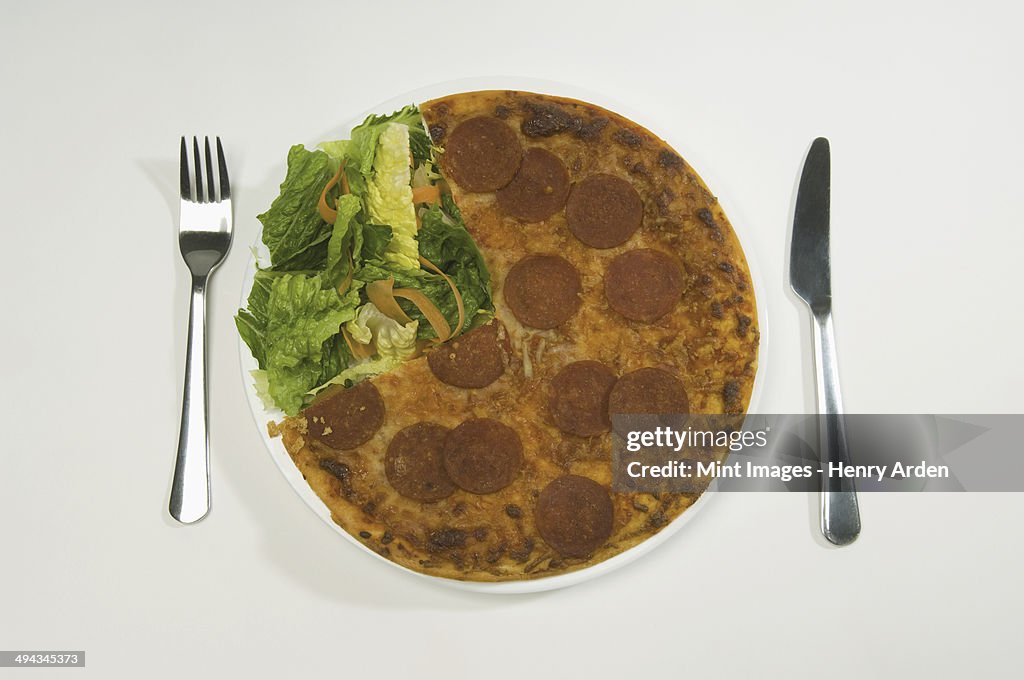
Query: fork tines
{"points": [[211, 195]]}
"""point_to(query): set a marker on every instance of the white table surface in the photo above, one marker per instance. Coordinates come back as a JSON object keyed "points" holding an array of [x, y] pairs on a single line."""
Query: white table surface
{"points": [[923, 105]]}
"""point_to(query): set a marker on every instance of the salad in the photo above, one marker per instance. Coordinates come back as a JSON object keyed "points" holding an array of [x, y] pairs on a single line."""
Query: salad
{"points": [[370, 264]]}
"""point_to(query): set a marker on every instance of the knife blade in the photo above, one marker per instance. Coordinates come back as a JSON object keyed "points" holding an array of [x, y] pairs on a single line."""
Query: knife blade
{"points": [[810, 267], [810, 275]]}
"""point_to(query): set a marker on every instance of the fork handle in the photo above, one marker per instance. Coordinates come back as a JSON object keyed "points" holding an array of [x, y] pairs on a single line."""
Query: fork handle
{"points": [[190, 491], [840, 513]]}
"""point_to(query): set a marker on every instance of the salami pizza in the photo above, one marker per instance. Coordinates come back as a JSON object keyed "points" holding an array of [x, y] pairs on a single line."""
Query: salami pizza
{"points": [[618, 286]]}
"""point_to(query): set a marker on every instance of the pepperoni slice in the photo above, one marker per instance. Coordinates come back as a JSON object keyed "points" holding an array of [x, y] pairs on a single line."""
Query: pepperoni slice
{"points": [[348, 418], [473, 360], [482, 154], [604, 211], [538, 190], [579, 398], [644, 284], [574, 515], [482, 455], [649, 391], [414, 463], [543, 291]]}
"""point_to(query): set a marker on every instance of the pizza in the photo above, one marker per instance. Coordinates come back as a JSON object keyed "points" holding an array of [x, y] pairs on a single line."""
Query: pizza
{"points": [[618, 286]]}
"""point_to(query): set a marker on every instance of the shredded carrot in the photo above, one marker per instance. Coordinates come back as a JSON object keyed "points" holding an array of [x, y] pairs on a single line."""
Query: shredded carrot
{"points": [[348, 341], [426, 194], [382, 296], [429, 310], [327, 212], [455, 291]]}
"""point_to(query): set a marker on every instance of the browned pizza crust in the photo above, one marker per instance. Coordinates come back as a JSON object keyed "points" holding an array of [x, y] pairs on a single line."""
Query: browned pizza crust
{"points": [[662, 295]]}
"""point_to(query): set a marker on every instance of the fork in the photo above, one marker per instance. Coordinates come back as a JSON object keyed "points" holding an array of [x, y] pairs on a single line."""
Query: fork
{"points": [[204, 237]]}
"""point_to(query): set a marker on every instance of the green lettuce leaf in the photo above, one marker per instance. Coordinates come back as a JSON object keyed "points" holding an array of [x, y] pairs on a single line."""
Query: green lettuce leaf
{"points": [[251, 330], [432, 285], [356, 181], [252, 321], [391, 338], [262, 386], [389, 196], [294, 313], [342, 250], [376, 238], [444, 240], [359, 372], [293, 230], [338, 151], [363, 145], [335, 149], [294, 326]]}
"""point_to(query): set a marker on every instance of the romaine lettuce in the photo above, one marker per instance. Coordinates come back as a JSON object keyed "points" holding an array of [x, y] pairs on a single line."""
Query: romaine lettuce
{"points": [[389, 196], [363, 145], [342, 248], [293, 230], [294, 314], [358, 372], [376, 238], [294, 328], [252, 321], [336, 150], [444, 241], [391, 338], [432, 285]]}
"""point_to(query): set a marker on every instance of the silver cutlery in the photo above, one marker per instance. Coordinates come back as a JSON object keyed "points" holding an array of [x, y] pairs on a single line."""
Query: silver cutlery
{"points": [[810, 275], [204, 236]]}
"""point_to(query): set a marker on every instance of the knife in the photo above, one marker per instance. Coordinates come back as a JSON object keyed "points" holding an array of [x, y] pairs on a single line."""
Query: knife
{"points": [[810, 275]]}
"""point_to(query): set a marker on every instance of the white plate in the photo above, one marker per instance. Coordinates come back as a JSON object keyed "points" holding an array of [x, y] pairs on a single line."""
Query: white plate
{"points": [[294, 477]]}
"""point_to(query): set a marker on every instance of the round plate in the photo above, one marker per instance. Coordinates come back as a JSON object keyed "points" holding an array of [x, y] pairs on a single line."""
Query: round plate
{"points": [[275, 446]]}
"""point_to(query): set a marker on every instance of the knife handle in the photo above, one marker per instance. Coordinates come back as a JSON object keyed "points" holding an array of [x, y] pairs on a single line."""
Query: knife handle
{"points": [[840, 513]]}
